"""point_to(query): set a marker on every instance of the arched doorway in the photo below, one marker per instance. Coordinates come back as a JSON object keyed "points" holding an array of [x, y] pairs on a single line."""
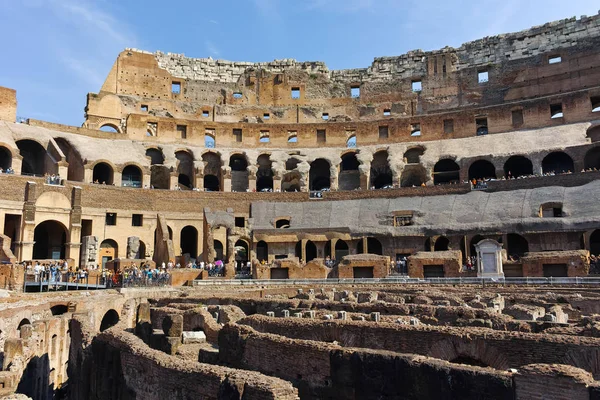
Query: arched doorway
{"points": [[381, 173], [109, 250], [34, 157], [446, 171], [413, 156], [482, 169], [341, 250], [516, 245], [189, 241], [595, 242], [319, 176], [23, 322], [212, 171], [373, 246], [349, 176], [142, 251], [132, 177], [413, 175], [109, 128], [592, 159], [264, 174], [75, 171], [103, 173], [110, 319], [311, 251], [241, 254], [441, 244], [160, 175], [262, 251], [218, 246], [517, 166], [185, 170], [5, 158], [557, 163], [156, 156], [239, 173], [49, 239]]}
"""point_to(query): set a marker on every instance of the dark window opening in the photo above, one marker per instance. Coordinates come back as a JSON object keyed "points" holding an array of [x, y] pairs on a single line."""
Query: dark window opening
{"points": [[237, 134], [240, 222], [205, 113], [355, 91], [482, 126], [325, 116], [551, 211], [384, 132], [264, 137], [387, 112], [137, 220], [417, 86], [482, 77], [517, 117], [282, 224], [413, 156], [176, 87], [237, 95], [556, 111], [182, 131], [111, 219], [595, 103], [446, 171], [554, 60], [482, 169], [448, 126], [144, 108], [266, 116], [557, 163], [295, 93], [517, 166], [415, 130], [321, 136]]}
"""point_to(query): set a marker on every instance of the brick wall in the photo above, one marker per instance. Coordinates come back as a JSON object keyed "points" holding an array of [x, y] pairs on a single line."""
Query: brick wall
{"points": [[8, 104]]}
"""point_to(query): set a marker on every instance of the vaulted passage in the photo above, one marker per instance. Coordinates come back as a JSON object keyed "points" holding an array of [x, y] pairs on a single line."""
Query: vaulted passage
{"points": [[75, 171], [189, 241], [103, 173], [49, 239], [264, 174], [558, 163], [132, 177], [110, 319], [319, 175], [413, 175], [482, 169], [381, 173], [446, 171], [185, 170], [349, 176], [5, 158], [34, 157], [373, 247], [516, 245], [595, 242], [212, 171], [239, 173], [592, 159], [517, 166]]}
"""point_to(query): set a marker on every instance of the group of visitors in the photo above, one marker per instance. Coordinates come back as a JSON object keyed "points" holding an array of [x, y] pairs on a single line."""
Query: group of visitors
{"points": [[52, 179], [55, 271], [8, 170], [401, 266], [470, 264], [144, 275], [330, 262]]}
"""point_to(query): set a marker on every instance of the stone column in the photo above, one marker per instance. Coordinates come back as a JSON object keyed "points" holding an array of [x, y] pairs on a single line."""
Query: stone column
{"points": [[252, 181], [89, 251], [173, 180], [199, 181], [63, 169], [146, 179], [117, 178], [17, 164], [365, 245], [277, 183], [365, 175], [88, 175], [303, 253], [226, 179]]}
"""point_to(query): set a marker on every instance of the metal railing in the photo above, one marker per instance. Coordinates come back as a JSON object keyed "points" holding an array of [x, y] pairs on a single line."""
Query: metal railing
{"points": [[59, 280]]}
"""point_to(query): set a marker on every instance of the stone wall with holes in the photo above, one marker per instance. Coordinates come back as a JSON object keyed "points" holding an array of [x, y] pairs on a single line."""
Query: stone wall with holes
{"points": [[8, 104]]}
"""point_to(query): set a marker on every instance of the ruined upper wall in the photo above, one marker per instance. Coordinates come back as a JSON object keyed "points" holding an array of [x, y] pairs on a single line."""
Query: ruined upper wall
{"points": [[8, 104], [549, 37]]}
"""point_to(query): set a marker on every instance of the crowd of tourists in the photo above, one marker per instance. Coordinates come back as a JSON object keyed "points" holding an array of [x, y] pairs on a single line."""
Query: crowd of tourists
{"points": [[55, 271], [52, 179]]}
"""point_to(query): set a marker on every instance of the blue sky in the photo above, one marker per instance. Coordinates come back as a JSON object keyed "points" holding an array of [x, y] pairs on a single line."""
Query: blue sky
{"points": [[56, 51]]}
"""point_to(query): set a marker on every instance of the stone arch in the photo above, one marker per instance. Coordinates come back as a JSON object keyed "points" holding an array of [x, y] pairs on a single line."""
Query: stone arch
{"points": [[160, 175], [341, 249], [264, 173], [516, 245], [103, 173], [50, 238], [109, 247], [517, 166], [592, 158], [262, 251], [238, 163], [454, 349], [34, 157], [189, 241], [557, 162], [131, 176], [311, 251], [594, 133], [110, 127], [373, 246], [291, 163], [446, 171], [319, 175], [219, 250], [185, 169], [75, 171], [349, 175], [413, 175], [441, 244], [482, 169], [413, 155], [5, 158], [110, 319], [156, 155], [381, 174], [212, 171], [242, 252], [23, 322]]}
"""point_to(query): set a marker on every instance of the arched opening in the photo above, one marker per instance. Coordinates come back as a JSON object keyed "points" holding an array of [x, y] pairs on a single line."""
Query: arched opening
{"points": [[298, 250], [218, 246], [59, 309], [373, 246], [381, 173], [595, 242], [262, 251], [185, 170], [75, 171], [189, 241], [592, 159], [142, 251], [109, 250], [211, 183], [291, 164], [351, 142], [441, 244], [594, 132], [413, 175], [446, 171], [109, 128], [349, 176], [5, 158], [49, 239], [110, 319], [241, 254], [517, 166], [239, 173], [466, 360], [23, 322], [34, 157], [156, 156], [341, 250], [482, 169], [264, 174], [413, 156], [209, 141], [516, 245], [131, 177], [103, 173], [427, 245], [311, 251], [283, 223], [319, 175], [557, 163], [212, 171]]}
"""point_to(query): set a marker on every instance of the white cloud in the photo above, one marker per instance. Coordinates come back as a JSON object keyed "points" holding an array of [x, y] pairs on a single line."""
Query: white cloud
{"points": [[211, 48], [212, 21]]}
